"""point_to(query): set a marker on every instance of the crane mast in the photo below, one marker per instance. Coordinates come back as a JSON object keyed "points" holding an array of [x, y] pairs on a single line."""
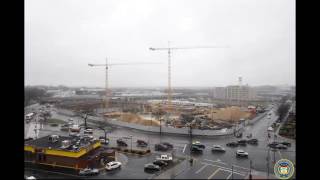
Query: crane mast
{"points": [[107, 89], [169, 49]]}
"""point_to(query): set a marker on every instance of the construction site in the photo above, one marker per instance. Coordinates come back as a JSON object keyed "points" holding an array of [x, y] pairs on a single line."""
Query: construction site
{"points": [[182, 109]]}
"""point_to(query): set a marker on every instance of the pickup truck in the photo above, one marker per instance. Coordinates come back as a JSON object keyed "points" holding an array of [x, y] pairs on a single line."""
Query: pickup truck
{"points": [[164, 157]]}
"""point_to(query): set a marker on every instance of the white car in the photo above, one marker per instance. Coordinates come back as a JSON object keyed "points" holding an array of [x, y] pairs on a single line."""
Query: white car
{"points": [[270, 128], [241, 153], [164, 157], [113, 165], [88, 172], [217, 148], [88, 131], [30, 177]]}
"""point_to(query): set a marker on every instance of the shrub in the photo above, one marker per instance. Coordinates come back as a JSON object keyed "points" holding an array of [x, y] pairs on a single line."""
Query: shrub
{"points": [[148, 151], [133, 151], [141, 152]]}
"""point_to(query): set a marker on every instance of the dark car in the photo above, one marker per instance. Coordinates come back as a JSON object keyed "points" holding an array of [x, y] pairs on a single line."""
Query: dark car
{"points": [[160, 163], [198, 144], [151, 167], [281, 146], [170, 146], [286, 143], [232, 144], [28, 139], [252, 141], [142, 143], [273, 144], [239, 135], [196, 149], [120, 142], [160, 147], [242, 142]]}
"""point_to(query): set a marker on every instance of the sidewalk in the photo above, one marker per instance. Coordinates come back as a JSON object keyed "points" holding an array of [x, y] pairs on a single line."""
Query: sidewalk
{"points": [[260, 175]]}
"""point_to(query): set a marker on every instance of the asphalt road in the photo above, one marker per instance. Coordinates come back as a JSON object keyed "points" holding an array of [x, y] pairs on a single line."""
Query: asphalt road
{"points": [[208, 165]]}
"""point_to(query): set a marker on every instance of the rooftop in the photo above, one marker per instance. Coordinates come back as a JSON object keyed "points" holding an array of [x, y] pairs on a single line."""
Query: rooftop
{"points": [[44, 142]]}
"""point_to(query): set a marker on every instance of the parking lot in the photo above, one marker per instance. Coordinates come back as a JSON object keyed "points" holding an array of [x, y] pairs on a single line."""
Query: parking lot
{"points": [[131, 164], [212, 170]]}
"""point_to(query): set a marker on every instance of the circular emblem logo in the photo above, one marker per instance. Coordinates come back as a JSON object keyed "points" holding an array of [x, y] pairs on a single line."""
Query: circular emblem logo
{"points": [[283, 169]]}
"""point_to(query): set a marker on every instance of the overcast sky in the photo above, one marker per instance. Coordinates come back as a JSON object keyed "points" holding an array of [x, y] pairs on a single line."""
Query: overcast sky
{"points": [[63, 36]]}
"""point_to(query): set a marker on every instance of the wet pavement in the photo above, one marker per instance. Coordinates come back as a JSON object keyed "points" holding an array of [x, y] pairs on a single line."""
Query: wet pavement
{"points": [[208, 164]]}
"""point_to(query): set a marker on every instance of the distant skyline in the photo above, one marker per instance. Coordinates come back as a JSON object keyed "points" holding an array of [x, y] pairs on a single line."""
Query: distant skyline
{"points": [[63, 36]]}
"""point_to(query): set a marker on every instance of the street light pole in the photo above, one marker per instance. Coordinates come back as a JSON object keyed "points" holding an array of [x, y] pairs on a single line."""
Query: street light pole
{"points": [[232, 171], [268, 164], [250, 175], [131, 143]]}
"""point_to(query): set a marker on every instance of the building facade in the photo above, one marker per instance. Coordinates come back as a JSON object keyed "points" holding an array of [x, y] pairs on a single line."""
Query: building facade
{"points": [[219, 93], [66, 152], [241, 93]]}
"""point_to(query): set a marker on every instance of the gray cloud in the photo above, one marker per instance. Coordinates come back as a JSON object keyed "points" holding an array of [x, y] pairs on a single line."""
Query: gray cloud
{"points": [[62, 36]]}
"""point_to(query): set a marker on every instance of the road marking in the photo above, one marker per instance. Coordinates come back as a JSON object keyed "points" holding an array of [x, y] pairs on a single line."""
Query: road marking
{"points": [[214, 173], [227, 169], [229, 176], [184, 148], [217, 161], [204, 166], [241, 167]]}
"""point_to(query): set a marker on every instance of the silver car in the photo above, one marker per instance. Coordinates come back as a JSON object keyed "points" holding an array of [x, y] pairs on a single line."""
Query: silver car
{"points": [[217, 148]]}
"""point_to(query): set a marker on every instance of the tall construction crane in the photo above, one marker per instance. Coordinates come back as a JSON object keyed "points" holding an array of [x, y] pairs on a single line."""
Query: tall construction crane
{"points": [[169, 49], [107, 65]]}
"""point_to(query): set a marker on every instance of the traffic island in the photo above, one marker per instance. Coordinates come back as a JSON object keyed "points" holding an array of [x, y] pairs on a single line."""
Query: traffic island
{"points": [[132, 151]]}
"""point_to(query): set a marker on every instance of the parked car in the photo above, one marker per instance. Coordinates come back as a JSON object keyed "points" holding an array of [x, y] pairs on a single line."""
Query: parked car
{"points": [[88, 131], [104, 141], [252, 141], [113, 165], [170, 146], [198, 144], [88, 172], [74, 134], [121, 142], [241, 153], [151, 167], [196, 149], [217, 148], [232, 144], [141, 143], [164, 157], [160, 163], [160, 147]]}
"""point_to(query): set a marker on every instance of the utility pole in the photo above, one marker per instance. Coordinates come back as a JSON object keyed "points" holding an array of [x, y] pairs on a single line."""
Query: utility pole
{"points": [[268, 163], [85, 121], [250, 175], [232, 171], [274, 152], [131, 143]]}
